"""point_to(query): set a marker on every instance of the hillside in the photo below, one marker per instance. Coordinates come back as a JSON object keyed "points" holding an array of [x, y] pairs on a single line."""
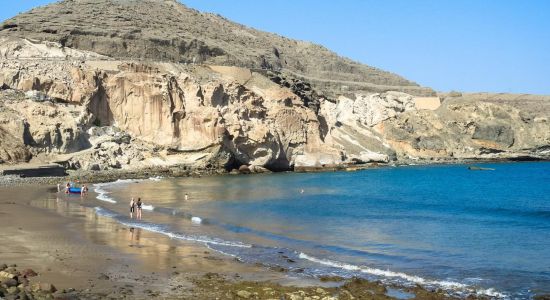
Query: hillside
{"points": [[165, 30]]}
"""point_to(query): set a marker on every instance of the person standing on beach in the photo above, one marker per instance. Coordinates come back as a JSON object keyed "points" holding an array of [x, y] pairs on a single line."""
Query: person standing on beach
{"points": [[132, 208], [139, 209]]}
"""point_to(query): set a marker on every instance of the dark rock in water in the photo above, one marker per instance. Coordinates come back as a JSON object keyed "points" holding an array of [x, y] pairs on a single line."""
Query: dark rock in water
{"points": [[476, 168], [103, 277], [278, 269], [3, 267]]}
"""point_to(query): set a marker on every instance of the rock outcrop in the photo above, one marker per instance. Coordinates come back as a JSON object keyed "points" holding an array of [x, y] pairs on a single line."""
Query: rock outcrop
{"points": [[222, 112]]}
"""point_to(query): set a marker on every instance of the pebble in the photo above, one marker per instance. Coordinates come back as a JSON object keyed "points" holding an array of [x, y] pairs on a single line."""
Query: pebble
{"points": [[244, 294]]}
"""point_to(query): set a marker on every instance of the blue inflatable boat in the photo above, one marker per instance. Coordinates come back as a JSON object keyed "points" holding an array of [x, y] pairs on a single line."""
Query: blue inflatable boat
{"points": [[75, 190]]}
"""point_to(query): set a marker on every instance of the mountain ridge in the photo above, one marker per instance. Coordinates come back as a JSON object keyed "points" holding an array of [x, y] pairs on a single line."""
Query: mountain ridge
{"points": [[171, 31]]}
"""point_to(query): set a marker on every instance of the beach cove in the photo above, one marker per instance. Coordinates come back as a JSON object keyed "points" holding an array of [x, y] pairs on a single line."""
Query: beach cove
{"points": [[183, 241], [76, 254]]}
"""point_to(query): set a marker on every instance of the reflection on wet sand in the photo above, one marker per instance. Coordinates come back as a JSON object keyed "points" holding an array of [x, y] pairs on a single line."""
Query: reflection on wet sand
{"points": [[134, 236], [153, 252]]}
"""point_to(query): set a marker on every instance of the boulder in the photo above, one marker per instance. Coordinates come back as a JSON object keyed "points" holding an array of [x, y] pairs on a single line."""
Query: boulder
{"points": [[47, 287], [10, 282], [244, 169], [258, 169]]}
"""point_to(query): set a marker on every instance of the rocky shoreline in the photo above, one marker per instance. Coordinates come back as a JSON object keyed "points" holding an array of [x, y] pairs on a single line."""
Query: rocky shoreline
{"points": [[25, 284], [176, 172]]}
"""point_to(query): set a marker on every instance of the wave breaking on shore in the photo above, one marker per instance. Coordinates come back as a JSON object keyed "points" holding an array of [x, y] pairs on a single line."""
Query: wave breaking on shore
{"points": [[447, 285]]}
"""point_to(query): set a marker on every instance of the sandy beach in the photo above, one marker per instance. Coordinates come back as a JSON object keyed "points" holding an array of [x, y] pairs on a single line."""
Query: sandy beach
{"points": [[86, 256]]}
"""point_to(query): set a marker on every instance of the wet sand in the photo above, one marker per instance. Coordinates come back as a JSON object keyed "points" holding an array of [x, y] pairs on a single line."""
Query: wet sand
{"points": [[69, 246]]}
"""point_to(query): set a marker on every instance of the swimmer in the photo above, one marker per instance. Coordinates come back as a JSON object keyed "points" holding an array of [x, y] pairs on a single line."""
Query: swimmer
{"points": [[132, 208], [302, 191]]}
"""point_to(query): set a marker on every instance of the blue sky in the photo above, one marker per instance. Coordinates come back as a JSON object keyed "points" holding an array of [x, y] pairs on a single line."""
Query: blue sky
{"points": [[466, 45]]}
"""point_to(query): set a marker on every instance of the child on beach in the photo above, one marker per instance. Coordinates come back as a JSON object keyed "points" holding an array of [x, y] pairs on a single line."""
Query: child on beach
{"points": [[132, 208], [139, 209]]}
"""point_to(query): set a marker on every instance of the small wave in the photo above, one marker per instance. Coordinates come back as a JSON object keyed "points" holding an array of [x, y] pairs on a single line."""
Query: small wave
{"points": [[196, 220], [163, 229], [102, 194], [100, 188], [124, 181], [148, 207], [409, 278], [156, 178]]}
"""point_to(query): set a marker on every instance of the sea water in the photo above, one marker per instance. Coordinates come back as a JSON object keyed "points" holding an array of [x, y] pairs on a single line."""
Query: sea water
{"points": [[445, 226]]}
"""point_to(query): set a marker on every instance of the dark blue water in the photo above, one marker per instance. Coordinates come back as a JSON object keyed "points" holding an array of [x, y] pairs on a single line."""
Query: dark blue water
{"points": [[484, 232]]}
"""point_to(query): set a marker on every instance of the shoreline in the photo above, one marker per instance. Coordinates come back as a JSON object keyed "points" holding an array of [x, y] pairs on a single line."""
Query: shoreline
{"points": [[88, 257], [106, 176]]}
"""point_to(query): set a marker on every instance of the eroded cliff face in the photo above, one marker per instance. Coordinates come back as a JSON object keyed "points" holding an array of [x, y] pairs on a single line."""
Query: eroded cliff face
{"points": [[220, 111], [467, 129], [92, 112]]}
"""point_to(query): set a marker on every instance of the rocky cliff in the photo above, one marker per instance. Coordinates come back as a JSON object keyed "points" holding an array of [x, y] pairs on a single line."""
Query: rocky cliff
{"points": [[80, 98]]}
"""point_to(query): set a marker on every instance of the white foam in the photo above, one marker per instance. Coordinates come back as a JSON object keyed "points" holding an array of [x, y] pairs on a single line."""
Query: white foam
{"points": [[147, 207], [156, 178], [196, 220], [156, 228], [100, 189], [102, 194], [410, 278], [124, 181]]}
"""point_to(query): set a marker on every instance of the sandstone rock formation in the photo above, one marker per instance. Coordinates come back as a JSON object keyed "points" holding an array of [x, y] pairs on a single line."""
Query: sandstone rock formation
{"points": [[88, 103]]}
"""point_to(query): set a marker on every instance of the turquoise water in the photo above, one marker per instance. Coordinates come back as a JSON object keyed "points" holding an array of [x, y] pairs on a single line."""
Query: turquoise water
{"points": [[485, 232]]}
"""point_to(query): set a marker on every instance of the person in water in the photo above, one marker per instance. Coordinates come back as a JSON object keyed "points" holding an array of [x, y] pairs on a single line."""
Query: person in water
{"points": [[67, 187], [132, 208], [139, 203]]}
